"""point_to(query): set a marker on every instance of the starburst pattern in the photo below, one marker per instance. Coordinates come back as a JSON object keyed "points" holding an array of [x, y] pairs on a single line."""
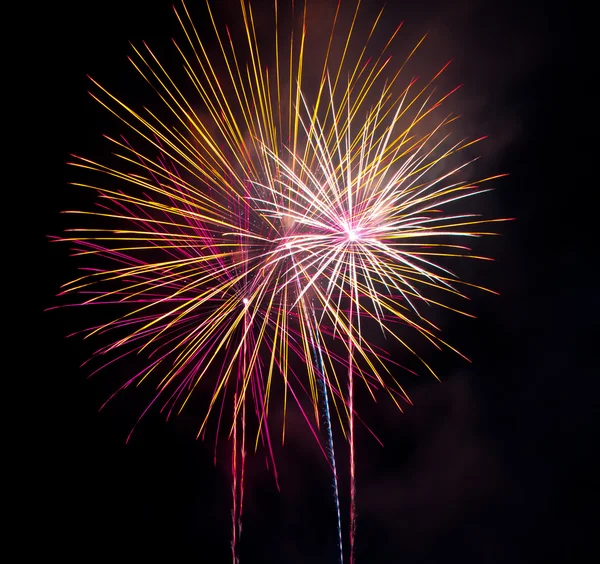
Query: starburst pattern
{"points": [[254, 246]]}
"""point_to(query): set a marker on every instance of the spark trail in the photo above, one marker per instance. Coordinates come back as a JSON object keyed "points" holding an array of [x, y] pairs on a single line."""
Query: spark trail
{"points": [[329, 430]]}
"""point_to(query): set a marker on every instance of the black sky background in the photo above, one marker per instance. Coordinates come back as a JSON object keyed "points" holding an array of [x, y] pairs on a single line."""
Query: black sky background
{"points": [[493, 465]]}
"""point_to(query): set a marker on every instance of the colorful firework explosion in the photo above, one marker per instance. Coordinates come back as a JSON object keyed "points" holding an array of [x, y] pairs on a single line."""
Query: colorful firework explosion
{"points": [[251, 246]]}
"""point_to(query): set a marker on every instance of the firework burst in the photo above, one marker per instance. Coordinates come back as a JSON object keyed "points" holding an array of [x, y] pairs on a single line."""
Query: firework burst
{"points": [[243, 243]]}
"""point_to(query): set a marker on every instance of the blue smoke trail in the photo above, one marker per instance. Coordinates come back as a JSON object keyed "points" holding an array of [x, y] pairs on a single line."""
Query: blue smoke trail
{"points": [[331, 451]]}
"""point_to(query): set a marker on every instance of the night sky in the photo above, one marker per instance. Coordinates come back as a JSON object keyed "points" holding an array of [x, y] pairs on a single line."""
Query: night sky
{"points": [[493, 465]]}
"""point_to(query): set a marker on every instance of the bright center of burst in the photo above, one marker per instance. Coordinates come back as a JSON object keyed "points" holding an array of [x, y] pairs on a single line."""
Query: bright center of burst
{"points": [[352, 235]]}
